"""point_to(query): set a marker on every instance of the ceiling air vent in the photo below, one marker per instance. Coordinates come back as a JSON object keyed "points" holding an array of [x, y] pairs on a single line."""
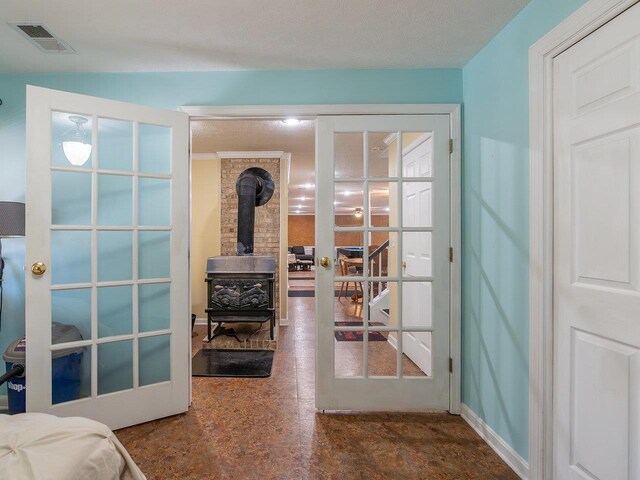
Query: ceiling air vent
{"points": [[42, 37]]}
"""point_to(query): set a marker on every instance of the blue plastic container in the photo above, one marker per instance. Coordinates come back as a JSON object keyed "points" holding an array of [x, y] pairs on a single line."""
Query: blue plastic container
{"points": [[66, 369]]}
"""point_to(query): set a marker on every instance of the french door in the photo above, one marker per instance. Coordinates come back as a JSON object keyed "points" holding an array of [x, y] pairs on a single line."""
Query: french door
{"points": [[383, 222], [107, 259]]}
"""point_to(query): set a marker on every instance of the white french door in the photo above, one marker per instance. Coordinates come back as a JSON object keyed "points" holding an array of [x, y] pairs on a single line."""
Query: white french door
{"points": [[107, 259], [597, 255], [383, 189]]}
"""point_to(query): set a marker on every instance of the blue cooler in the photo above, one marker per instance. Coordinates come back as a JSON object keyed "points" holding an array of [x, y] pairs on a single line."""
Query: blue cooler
{"points": [[66, 368]]}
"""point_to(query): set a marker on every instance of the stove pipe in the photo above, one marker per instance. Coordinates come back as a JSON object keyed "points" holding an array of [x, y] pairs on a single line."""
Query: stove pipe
{"points": [[254, 187]]}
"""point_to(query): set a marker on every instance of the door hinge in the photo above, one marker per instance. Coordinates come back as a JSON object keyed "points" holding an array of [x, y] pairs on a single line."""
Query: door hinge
{"points": [[451, 145], [450, 365], [451, 254]]}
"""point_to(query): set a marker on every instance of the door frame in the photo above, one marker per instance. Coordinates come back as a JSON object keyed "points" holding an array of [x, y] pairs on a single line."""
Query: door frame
{"points": [[583, 22], [264, 112]]}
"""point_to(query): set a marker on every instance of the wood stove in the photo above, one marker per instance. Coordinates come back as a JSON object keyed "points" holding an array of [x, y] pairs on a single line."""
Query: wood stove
{"points": [[240, 289]]}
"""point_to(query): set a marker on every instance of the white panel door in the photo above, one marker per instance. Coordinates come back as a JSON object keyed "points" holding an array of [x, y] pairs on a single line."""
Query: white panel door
{"points": [[596, 255], [108, 218], [405, 204], [416, 162]]}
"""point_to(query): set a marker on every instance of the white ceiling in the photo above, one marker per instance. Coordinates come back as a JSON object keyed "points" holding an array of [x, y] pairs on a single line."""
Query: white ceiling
{"points": [[209, 136], [201, 35]]}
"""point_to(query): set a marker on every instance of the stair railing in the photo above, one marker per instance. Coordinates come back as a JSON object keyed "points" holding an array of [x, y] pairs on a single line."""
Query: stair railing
{"points": [[376, 270]]}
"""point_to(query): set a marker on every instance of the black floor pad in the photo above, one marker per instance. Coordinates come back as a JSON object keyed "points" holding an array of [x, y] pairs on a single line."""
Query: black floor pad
{"points": [[232, 363]]}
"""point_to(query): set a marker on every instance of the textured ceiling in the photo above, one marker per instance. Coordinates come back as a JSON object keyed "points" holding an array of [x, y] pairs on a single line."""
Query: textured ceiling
{"points": [[199, 35]]}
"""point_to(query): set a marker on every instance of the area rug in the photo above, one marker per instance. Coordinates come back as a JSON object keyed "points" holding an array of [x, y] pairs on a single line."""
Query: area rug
{"points": [[211, 362], [357, 336]]}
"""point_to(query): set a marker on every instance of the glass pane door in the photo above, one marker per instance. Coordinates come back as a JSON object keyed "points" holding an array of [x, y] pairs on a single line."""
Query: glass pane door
{"points": [[383, 305], [113, 243]]}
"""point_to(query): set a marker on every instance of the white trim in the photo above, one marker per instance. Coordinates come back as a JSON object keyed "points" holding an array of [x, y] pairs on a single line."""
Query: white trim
{"points": [[583, 22], [201, 321], [455, 308], [284, 322], [240, 154], [205, 156], [4, 402], [497, 443], [312, 111]]}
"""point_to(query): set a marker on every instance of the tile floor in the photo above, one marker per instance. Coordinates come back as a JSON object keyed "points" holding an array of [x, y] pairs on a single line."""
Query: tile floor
{"points": [[268, 429]]}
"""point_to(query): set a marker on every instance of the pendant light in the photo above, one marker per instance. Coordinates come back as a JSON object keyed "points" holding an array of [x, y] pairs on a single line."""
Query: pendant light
{"points": [[75, 142]]}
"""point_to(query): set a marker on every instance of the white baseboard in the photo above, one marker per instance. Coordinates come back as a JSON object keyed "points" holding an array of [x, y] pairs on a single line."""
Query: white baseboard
{"points": [[393, 341], [201, 321], [4, 402], [495, 441]]}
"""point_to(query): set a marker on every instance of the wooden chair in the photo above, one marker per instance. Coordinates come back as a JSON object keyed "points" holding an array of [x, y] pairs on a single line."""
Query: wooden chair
{"points": [[346, 271]]}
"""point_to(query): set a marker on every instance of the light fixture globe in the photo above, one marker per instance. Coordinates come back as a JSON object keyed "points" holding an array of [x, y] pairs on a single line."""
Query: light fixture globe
{"points": [[75, 144], [358, 212]]}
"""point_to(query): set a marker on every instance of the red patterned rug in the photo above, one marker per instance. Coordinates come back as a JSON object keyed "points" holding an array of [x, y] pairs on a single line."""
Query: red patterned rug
{"points": [[356, 336]]}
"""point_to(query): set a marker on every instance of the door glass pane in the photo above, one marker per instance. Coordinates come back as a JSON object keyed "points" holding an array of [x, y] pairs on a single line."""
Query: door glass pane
{"points": [[416, 156], [382, 160], [416, 304], [115, 200], [115, 256], [383, 203], [153, 255], [72, 307], [348, 155], [70, 257], [378, 258], [115, 311], [154, 306], [382, 358], [383, 310], [115, 366], [71, 198], [348, 204], [417, 355], [154, 202], [71, 140], [154, 149], [348, 354], [417, 204], [154, 359], [417, 258], [70, 374], [115, 144]]}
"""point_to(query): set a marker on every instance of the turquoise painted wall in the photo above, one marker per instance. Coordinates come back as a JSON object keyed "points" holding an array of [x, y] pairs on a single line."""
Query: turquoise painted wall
{"points": [[171, 90], [496, 223]]}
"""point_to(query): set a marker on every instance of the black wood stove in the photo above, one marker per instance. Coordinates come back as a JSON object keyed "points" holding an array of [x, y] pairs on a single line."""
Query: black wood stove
{"points": [[240, 288]]}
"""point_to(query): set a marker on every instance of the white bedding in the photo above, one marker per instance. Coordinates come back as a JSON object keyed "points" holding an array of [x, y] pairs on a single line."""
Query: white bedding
{"points": [[44, 447]]}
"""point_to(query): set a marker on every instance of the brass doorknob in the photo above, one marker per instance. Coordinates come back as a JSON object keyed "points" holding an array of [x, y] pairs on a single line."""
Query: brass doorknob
{"points": [[325, 262], [38, 268], [404, 264]]}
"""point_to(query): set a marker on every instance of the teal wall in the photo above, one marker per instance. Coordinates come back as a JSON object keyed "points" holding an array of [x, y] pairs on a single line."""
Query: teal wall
{"points": [[171, 90], [495, 229]]}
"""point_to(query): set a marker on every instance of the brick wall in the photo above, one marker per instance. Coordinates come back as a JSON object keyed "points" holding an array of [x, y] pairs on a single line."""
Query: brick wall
{"points": [[267, 225]]}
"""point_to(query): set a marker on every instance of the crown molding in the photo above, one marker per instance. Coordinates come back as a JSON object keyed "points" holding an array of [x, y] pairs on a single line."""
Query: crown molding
{"points": [[241, 154]]}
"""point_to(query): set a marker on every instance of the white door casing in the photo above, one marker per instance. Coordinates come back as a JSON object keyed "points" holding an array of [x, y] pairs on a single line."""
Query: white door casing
{"points": [[596, 254], [416, 162], [147, 399], [383, 393]]}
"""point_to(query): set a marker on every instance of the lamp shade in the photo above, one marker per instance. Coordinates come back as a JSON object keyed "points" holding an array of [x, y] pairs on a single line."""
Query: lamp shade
{"points": [[11, 219]]}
